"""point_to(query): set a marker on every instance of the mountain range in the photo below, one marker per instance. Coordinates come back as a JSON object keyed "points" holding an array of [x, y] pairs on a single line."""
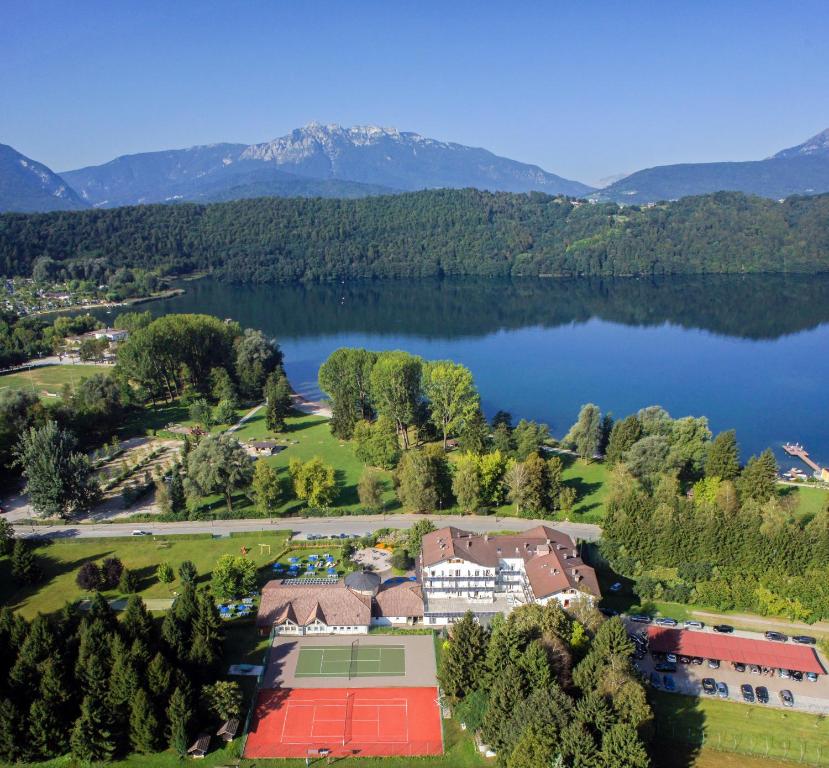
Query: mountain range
{"points": [[333, 161]]}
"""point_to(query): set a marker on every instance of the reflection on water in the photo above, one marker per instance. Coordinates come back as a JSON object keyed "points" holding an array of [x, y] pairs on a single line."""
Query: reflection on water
{"points": [[750, 352]]}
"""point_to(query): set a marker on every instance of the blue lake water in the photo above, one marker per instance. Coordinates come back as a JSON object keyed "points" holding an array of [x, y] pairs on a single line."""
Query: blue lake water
{"points": [[750, 353]]}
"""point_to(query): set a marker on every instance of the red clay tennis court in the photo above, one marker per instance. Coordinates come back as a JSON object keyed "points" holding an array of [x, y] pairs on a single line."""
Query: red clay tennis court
{"points": [[372, 722]]}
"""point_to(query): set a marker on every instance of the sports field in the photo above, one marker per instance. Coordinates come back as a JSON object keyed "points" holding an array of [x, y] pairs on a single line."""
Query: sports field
{"points": [[345, 721], [351, 660]]}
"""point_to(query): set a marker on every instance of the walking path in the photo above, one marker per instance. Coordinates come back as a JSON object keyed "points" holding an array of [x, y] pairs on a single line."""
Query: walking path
{"points": [[764, 622], [249, 415]]}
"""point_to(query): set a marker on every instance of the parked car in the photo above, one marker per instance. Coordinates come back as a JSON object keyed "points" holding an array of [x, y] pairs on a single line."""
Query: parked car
{"points": [[784, 674], [665, 666], [811, 677], [786, 698], [694, 624], [140, 533], [738, 666], [762, 694], [709, 686], [713, 664], [641, 618], [617, 587], [669, 683], [665, 621], [804, 639], [671, 658], [656, 680], [726, 629], [754, 669], [797, 676], [696, 660], [777, 637], [748, 693], [722, 690]]}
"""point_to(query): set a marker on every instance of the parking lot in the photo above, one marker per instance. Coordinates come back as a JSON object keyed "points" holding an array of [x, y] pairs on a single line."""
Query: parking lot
{"points": [[808, 696]]}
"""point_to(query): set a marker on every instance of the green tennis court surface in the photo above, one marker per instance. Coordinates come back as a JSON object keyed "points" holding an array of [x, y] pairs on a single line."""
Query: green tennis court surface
{"points": [[351, 661]]}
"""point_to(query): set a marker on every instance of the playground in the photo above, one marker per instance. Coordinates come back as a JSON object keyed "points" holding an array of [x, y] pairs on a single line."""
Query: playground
{"points": [[339, 722], [351, 660]]}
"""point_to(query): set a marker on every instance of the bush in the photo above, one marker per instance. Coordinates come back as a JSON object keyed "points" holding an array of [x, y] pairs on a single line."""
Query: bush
{"points": [[89, 577], [164, 573], [111, 571], [128, 583], [400, 559]]}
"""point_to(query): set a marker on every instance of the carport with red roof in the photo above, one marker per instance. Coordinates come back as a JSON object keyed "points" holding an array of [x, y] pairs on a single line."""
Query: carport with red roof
{"points": [[763, 653]]}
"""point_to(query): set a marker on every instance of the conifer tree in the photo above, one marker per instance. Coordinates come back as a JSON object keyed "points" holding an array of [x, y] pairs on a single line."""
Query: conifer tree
{"points": [[136, 621], [578, 747], [622, 748], [536, 666], [49, 714], [24, 566], [159, 677], [123, 682], [462, 662], [143, 723], [101, 610], [506, 690], [179, 716], [91, 737], [11, 731], [759, 478], [187, 573], [174, 636], [723, 459], [534, 748], [38, 646]]}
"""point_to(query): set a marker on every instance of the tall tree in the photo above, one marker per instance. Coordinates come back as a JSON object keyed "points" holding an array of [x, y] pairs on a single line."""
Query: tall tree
{"points": [[395, 384], [144, 726], [256, 359], [462, 661], [25, 569], [279, 402], [723, 458], [266, 488], [623, 435], [179, 716], [315, 482], [452, 396], [370, 490], [466, 483], [759, 477], [218, 464], [506, 691], [91, 738], [584, 436], [59, 480]]}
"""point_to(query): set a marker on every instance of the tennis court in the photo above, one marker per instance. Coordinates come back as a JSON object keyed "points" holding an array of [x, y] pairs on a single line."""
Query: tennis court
{"points": [[345, 721], [351, 660]]}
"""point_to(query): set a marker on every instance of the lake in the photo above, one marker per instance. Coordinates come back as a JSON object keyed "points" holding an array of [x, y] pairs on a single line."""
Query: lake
{"points": [[749, 352]]}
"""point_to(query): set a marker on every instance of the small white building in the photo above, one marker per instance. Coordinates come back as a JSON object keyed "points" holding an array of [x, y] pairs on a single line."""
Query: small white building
{"points": [[462, 571]]}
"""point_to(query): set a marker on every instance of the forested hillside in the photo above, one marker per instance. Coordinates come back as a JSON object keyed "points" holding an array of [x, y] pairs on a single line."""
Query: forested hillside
{"points": [[443, 232]]}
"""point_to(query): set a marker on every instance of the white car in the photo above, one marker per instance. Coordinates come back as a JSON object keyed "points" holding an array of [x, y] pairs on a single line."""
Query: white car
{"points": [[139, 532]]}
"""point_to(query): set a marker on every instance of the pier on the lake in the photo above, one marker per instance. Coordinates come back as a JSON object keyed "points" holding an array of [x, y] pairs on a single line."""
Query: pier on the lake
{"points": [[799, 452]]}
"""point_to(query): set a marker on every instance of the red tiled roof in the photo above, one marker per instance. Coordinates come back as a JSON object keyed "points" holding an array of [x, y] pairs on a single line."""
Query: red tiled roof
{"points": [[709, 645]]}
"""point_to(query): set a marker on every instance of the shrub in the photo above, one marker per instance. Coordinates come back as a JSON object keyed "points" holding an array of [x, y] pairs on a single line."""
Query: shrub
{"points": [[111, 571], [164, 573], [89, 577]]}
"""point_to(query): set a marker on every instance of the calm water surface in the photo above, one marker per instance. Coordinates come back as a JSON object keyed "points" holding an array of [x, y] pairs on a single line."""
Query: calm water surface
{"points": [[751, 353]]}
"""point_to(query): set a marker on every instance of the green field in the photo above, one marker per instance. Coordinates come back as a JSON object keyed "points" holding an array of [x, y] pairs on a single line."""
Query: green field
{"points": [[61, 559], [808, 501], [590, 482], [741, 728], [49, 379], [351, 660]]}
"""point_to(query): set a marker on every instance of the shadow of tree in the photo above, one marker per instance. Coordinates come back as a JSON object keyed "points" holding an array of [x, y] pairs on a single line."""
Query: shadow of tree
{"points": [[678, 729]]}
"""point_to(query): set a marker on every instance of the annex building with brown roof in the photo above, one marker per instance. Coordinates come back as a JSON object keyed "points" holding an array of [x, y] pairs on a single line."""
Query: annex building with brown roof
{"points": [[462, 571], [314, 609]]}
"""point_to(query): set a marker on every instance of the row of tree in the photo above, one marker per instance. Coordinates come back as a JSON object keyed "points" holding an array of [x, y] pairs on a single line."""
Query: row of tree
{"points": [[730, 540], [100, 686], [547, 687], [434, 232]]}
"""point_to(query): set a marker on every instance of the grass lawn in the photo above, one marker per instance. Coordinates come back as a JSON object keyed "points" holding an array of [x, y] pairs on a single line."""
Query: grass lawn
{"points": [[308, 436], [809, 501], [61, 559], [50, 378], [742, 728], [590, 482]]}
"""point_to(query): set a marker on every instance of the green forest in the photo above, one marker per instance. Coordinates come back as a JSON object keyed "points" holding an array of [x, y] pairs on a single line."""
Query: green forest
{"points": [[429, 233]]}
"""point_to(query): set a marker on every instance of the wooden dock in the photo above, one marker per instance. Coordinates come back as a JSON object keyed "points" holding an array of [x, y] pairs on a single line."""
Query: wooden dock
{"points": [[799, 452]]}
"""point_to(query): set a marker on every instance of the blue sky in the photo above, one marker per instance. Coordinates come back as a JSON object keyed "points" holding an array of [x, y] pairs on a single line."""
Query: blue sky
{"points": [[586, 90]]}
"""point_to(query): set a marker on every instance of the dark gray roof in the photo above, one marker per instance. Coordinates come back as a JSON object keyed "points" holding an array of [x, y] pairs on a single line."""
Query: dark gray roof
{"points": [[363, 581]]}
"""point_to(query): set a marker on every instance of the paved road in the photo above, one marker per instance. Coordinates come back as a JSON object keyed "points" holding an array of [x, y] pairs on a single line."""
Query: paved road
{"points": [[327, 526]]}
